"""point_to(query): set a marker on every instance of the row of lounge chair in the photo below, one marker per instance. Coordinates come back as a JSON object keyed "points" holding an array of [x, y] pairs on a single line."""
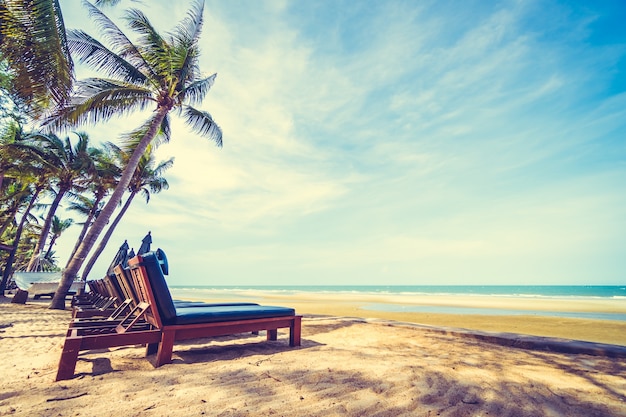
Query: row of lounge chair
{"points": [[133, 306]]}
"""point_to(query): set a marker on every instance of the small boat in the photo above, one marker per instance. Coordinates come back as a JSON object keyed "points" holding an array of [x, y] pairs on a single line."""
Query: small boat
{"points": [[43, 283]]}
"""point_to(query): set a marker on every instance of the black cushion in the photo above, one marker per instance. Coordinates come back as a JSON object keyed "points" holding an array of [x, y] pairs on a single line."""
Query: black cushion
{"points": [[167, 311], [229, 313], [186, 304], [193, 312]]}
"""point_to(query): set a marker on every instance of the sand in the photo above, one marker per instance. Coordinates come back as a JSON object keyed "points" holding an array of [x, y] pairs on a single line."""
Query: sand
{"points": [[346, 366]]}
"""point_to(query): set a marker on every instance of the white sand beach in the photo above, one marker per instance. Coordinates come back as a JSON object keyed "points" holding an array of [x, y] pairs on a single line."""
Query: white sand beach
{"points": [[345, 367]]}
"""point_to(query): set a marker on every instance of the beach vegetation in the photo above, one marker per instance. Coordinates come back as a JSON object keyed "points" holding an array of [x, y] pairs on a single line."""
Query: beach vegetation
{"points": [[148, 178], [31, 185], [39, 170], [23, 180], [33, 39], [103, 180], [67, 164], [154, 72]]}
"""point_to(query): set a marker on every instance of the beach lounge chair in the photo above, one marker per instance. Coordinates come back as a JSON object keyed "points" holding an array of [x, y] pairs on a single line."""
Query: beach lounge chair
{"points": [[102, 300], [195, 322], [155, 321]]}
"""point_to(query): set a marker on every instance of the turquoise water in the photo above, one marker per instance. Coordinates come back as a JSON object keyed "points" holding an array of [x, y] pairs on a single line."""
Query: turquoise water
{"points": [[560, 291], [589, 292]]}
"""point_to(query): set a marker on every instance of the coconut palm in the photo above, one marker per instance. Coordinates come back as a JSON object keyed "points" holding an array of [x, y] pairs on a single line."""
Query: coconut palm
{"points": [[58, 227], [102, 181], [158, 71], [26, 178], [33, 41], [68, 164], [36, 185], [148, 178]]}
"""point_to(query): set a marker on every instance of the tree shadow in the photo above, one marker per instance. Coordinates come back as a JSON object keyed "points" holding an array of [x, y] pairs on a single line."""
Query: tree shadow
{"points": [[587, 368], [315, 325], [229, 351]]}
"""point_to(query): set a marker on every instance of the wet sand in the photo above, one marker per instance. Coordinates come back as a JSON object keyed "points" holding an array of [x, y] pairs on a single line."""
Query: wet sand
{"points": [[352, 305]]}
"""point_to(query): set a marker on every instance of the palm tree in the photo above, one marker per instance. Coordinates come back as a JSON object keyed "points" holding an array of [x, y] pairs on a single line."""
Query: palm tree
{"points": [[33, 41], [147, 178], [103, 180], [27, 177], [68, 164], [13, 111], [38, 185], [84, 206], [58, 227], [161, 72]]}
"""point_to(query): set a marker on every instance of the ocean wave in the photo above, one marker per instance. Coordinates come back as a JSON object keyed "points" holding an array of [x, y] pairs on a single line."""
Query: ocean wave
{"points": [[530, 292]]}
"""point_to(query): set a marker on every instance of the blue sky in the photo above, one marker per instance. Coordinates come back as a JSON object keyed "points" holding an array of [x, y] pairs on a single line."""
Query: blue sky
{"points": [[395, 142]]}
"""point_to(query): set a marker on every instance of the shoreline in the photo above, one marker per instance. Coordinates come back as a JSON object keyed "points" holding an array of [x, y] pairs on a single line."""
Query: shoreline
{"points": [[352, 305]]}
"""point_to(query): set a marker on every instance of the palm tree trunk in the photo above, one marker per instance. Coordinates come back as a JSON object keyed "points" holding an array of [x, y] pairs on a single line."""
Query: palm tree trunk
{"points": [[45, 230], [86, 226], [50, 245], [10, 217], [74, 265], [106, 237], [8, 267]]}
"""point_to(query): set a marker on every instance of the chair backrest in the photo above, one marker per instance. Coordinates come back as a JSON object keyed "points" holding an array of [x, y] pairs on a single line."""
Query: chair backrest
{"points": [[111, 284], [124, 281], [145, 305], [151, 287]]}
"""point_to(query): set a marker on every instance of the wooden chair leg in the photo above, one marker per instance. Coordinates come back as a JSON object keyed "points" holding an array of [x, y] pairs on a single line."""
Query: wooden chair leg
{"points": [[166, 346], [69, 357], [272, 334], [295, 331], [152, 348]]}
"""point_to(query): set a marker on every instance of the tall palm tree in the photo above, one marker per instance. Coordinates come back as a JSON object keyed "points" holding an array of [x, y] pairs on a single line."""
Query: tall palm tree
{"points": [[102, 181], [147, 178], [27, 177], [158, 72], [33, 40], [38, 185], [58, 227], [87, 207], [68, 163]]}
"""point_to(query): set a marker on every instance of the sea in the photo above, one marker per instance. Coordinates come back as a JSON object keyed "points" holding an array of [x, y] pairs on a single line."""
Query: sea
{"points": [[617, 293]]}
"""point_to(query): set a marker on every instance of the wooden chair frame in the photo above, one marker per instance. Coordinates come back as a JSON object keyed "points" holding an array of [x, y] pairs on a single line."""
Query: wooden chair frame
{"points": [[143, 325], [174, 333]]}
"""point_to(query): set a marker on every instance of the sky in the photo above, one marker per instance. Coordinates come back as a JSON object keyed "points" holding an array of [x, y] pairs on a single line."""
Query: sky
{"points": [[392, 143]]}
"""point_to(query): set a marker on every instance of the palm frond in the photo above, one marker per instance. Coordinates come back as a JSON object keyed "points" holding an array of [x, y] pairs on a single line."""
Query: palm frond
{"points": [[185, 64], [185, 49], [118, 40], [195, 92], [163, 166], [185, 39], [152, 45], [98, 100], [110, 88], [34, 43], [91, 52], [131, 139], [202, 123], [187, 32], [107, 2], [165, 132]]}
